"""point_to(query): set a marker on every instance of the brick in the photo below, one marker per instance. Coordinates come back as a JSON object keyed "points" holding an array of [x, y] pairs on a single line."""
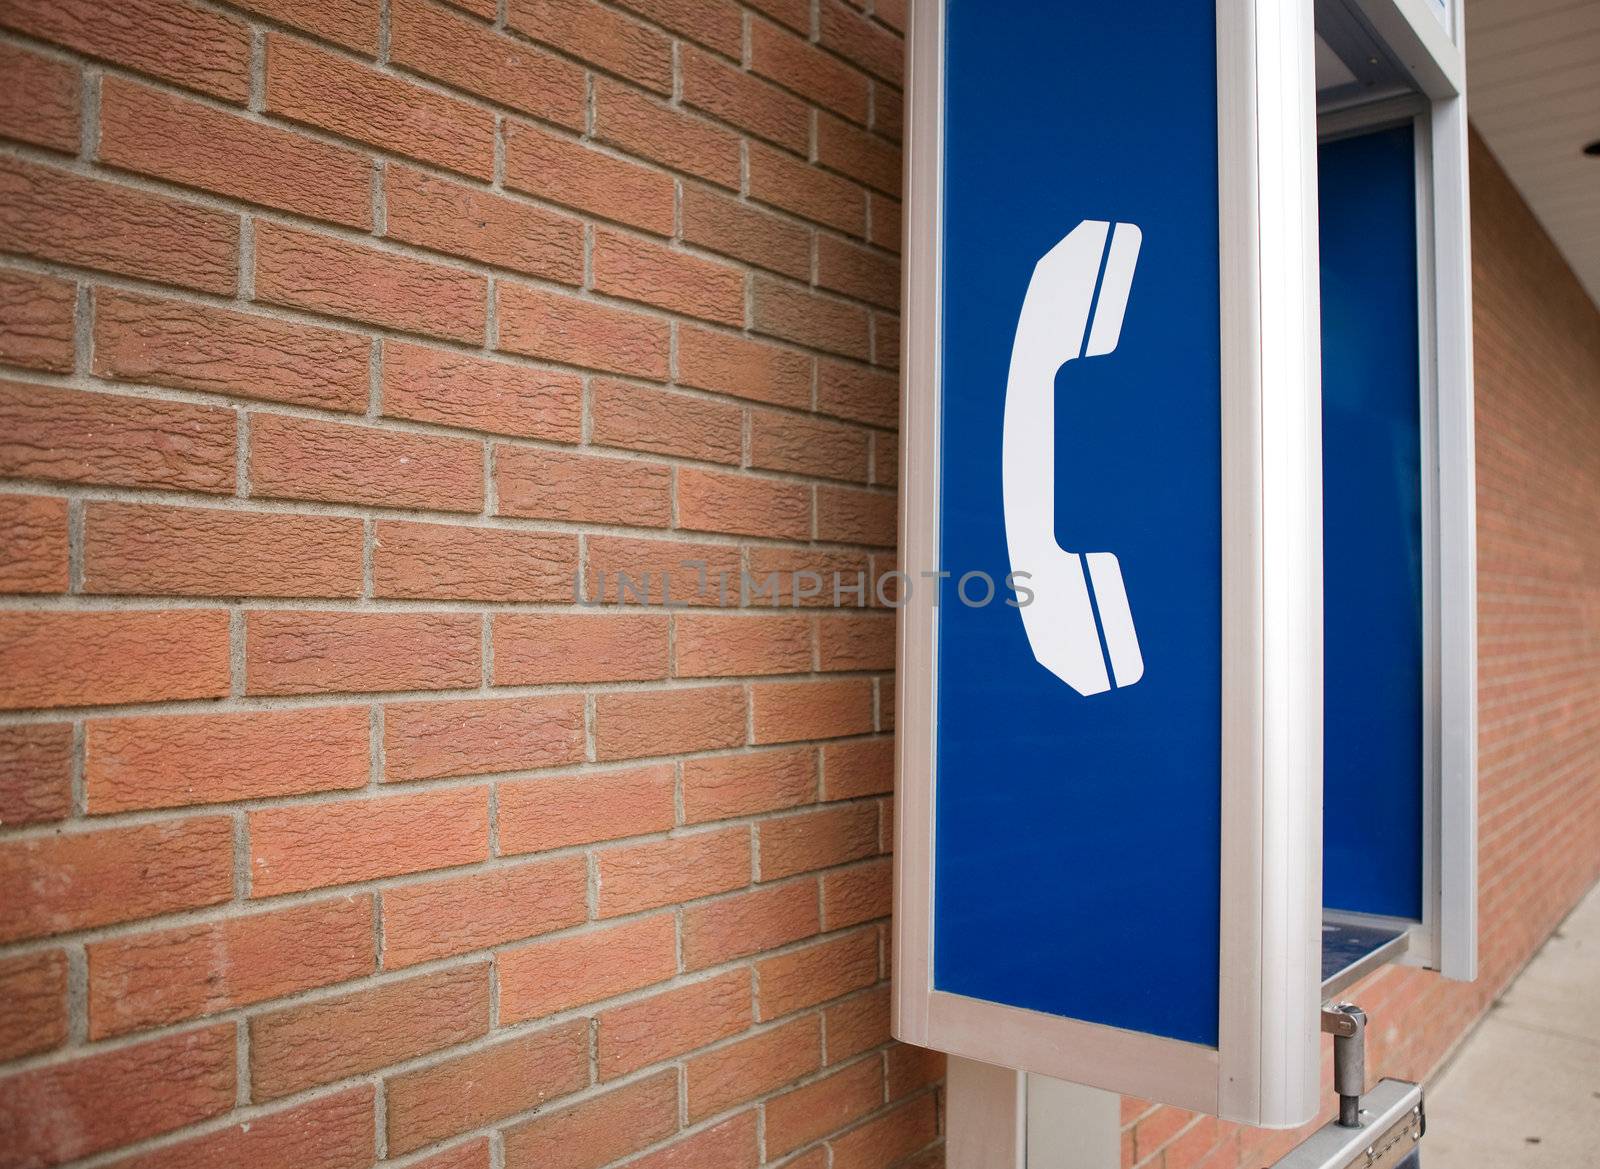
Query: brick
{"points": [[888, 113], [330, 1132], [888, 1138], [805, 1114], [85, 879], [886, 341], [152, 979], [817, 838], [717, 24], [311, 846], [433, 740], [791, 62], [320, 653], [891, 13], [723, 786], [303, 458], [546, 325], [199, 347], [746, 232], [635, 877], [456, 562], [667, 722], [747, 923], [328, 1039], [436, 43], [641, 418], [459, 220], [33, 534], [133, 548], [456, 915], [471, 1154], [786, 711], [691, 574], [863, 767], [301, 269], [719, 645], [729, 1145], [34, 988], [807, 446], [817, 972], [886, 224], [112, 440], [351, 23], [567, 172], [556, 974], [748, 1068], [865, 157], [911, 1069], [885, 460], [461, 390], [116, 1097], [795, 314], [886, 704], [786, 182], [853, 516], [541, 484], [469, 1091], [99, 658], [856, 641], [195, 145], [794, 13], [806, 577], [598, 1130], [311, 85], [871, 46], [566, 810], [743, 367], [36, 318], [637, 269], [174, 762], [860, 894], [863, 395], [856, 1024], [39, 100], [175, 40], [609, 40], [35, 773], [532, 649], [715, 501], [642, 126], [858, 272], [61, 216], [741, 99], [672, 1022]]}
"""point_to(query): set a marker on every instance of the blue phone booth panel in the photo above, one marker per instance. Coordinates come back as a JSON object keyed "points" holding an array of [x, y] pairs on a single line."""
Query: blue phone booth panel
{"points": [[1077, 830], [1372, 526]]}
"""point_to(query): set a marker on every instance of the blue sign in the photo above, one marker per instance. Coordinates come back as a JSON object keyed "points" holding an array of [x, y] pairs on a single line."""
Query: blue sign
{"points": [[1372, 525], [1077, 814]]}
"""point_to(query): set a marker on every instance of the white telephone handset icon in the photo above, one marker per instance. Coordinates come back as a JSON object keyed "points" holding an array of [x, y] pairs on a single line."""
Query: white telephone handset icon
{"points": [[1054, 328]]}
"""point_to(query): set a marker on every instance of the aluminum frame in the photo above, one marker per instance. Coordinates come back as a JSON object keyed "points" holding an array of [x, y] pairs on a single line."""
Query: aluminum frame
{"points": [[1264, 1070]]}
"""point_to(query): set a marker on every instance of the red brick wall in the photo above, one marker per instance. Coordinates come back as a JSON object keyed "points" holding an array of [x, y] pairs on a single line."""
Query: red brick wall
{"points": [[1537, 341], [338, 336]]}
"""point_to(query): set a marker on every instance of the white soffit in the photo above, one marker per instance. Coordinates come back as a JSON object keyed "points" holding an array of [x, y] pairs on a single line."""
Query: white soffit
{"points": [[1533, 91]]}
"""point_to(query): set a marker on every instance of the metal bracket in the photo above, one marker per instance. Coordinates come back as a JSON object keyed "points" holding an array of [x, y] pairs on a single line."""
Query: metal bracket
{"points": [[1347, 1023], [1393, 1124]]}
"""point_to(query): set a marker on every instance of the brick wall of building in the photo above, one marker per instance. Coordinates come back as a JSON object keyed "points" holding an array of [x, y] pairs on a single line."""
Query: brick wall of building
{"points": [[1537, 340], [338, 336]]}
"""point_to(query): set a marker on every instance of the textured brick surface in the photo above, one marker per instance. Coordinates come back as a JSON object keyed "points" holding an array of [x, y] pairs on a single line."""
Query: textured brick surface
{"points": [[345, 338]]}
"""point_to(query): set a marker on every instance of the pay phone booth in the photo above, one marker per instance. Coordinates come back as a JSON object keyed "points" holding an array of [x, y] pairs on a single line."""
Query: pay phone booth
{"points": [[1187, 368]]}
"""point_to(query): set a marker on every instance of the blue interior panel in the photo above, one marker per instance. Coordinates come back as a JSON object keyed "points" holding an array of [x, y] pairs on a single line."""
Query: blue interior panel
{"points": [[1372, 526], [1077, 859]]}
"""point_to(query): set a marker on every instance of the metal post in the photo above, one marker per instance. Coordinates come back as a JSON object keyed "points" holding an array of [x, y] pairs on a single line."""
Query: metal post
{"points": [[1003, 1119], [1347, 1023]]}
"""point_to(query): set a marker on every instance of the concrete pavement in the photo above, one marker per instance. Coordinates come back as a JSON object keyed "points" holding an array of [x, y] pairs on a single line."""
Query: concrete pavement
{"points": [[1524, 1090]]}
